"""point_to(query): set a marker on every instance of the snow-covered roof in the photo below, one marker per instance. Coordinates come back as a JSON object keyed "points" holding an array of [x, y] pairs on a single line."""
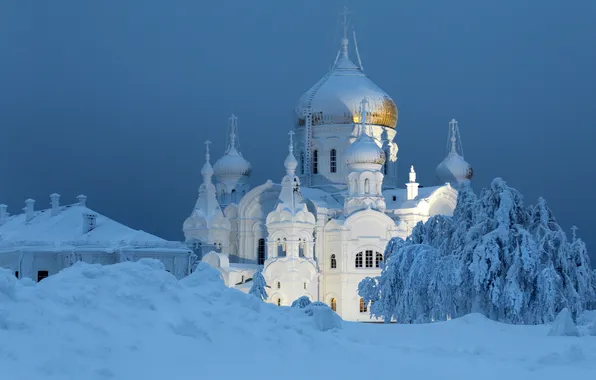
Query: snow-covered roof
{"points": [[401, 201], [320, 198], [66, 228]]}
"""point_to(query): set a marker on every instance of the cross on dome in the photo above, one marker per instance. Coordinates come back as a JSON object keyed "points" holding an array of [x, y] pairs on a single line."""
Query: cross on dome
{"points": [[291, 133], [233, 126], [207, 155]]}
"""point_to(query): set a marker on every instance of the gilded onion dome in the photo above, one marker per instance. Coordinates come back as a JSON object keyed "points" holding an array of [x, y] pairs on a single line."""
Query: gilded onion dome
{"points": [[364, 150], [335, 99]]}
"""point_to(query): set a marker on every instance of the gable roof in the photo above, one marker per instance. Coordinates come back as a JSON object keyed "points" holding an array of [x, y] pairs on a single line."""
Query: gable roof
{"points": [[67, 228]]}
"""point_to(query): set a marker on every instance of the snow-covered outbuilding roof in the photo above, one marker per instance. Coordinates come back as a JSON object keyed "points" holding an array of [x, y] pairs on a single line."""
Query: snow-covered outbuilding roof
{"points": [[73, 225]]}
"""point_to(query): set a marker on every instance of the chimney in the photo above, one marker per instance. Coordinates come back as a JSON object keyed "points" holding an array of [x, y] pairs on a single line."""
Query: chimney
{"points": [[55, 202], [82, 200], [89, 222], [29, 203], [3, 213], [412, 186]]}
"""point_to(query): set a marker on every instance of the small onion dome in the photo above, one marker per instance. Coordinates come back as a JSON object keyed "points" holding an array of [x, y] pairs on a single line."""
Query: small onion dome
{"points": [[207, 170], [232, 164], [364, 151], [291, 163], [454, 169]]}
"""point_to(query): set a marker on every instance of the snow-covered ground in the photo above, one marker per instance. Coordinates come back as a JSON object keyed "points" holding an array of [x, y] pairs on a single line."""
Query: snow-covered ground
{"points": [[136, 321]]}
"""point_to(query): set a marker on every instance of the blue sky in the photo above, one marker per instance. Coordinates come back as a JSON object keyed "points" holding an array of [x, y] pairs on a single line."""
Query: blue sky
{"points": [[114, 99]]}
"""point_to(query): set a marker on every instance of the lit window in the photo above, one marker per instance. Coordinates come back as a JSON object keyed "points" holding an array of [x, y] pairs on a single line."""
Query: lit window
{"points": [[369, 259], [363, 308], [261, 252], [378, 260], [315, 162], [333, 261], [359, 260], [333, 304], [333, 161], [41, 274]]}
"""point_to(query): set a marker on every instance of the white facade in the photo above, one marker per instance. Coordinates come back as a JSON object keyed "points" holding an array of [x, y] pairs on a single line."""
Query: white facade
{"points": [[40, 243], [325, 227]]}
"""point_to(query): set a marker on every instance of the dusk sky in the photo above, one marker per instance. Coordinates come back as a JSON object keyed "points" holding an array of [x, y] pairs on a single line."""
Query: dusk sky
{"points": [[113, 99]]}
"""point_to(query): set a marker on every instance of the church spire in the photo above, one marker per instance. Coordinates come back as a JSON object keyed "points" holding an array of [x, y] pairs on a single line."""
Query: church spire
{"points": [[344, 41], [232, 143], [454, 143], [207, 170], [291, 163]]}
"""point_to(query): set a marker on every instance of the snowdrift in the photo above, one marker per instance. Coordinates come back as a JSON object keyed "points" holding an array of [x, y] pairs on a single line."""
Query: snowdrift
{"points": [[136, 321]]}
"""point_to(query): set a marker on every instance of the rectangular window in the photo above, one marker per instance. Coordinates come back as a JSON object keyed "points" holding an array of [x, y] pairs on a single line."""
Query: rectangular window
{"points": [[41, 274], [333, 161], [315, 162], [261, 252], [369, 259]]}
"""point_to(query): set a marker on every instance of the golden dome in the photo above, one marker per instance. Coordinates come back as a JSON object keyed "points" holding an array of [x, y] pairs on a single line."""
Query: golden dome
{"points": [[336, 98]]}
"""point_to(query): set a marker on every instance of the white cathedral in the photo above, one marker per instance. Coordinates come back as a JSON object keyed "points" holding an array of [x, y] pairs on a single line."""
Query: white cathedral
{"points": [[324, 228]]}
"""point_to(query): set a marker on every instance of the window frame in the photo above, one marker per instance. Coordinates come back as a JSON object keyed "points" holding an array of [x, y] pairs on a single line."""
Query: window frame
{"points": [[358, 261], [261, 251], [333, 161], [368, 258], [363, 306]]}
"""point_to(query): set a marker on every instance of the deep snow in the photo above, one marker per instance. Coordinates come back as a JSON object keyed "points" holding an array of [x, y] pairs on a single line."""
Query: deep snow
{"points": [[136, 321]]}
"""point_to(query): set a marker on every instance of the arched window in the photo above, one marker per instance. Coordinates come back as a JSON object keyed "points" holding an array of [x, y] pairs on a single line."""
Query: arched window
{"points": [[358, 262], [367, 186], [369, 259], [333, 304], [363, 308], [333, 161], [301, 247], [315, 162], [241, 280], [378, 260], [233, 196], [261, 252], [333, 261], [279, 302]]}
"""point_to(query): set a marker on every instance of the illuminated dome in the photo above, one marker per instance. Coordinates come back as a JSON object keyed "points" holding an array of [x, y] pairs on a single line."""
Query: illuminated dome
{"points": [[336, 98], [364, 150]]}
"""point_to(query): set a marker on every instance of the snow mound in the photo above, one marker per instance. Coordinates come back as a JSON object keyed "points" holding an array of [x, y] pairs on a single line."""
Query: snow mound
{"points": [[323, 317], [301, 302], [563, 325], [136, 321]]}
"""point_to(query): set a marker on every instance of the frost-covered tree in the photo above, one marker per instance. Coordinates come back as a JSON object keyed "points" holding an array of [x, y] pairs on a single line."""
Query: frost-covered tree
{"points": [[301, 302], [494, 256], [258, 288]]}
